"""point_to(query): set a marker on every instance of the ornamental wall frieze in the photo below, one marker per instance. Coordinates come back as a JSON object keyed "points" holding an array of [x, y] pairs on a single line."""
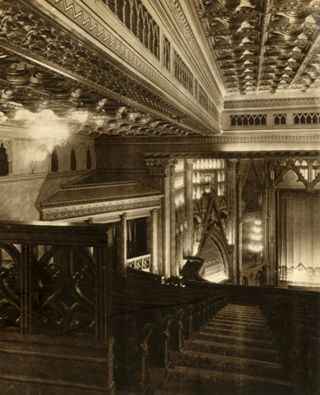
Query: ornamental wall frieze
{"points": [[272, 102], [73, 211], [233, 156], [75, 11], [263, 136], [184, 25]]}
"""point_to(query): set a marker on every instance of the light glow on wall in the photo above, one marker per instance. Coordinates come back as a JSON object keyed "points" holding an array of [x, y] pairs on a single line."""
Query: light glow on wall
{"points": [[47, 130]]}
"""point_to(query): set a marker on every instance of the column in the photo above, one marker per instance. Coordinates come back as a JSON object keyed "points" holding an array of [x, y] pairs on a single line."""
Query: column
{"points": [[161, 169], [122, 245], [188, 236], [174, 269], [154, 241], [237, 240]]}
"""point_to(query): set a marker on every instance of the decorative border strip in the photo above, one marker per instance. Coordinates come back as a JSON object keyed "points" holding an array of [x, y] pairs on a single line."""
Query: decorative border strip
{"points": [[232, 137], [81, 210]]}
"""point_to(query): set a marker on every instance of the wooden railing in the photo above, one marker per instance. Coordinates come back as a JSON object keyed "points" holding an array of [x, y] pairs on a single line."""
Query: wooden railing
{"points": [[55, 300], [81, 328]]}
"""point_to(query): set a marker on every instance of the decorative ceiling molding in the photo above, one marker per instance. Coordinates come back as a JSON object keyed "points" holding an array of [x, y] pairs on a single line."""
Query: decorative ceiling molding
{"points": [[185, 27], [83, 17], [263, 46], [272, 103], [25, 86], [61, 57]]}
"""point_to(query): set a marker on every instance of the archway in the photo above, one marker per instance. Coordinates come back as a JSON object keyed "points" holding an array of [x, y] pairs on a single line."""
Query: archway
{"points": [[216, 268]]}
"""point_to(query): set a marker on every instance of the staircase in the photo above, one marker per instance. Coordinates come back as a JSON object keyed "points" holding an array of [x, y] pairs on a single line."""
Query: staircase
{"points": [[233, 354]]}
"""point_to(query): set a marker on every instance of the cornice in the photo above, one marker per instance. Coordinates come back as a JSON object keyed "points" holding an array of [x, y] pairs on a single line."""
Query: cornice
{"points": [[214, 71], [158, 156], [48, 44], [79, 210], [271, 103], [263, 136], [193, 48], [142, 61]]}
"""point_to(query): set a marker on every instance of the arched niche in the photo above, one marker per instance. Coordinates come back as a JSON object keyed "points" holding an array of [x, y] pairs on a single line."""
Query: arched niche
{"points": [[4, 161], [73, 160], [54, 161], [215, 256]]}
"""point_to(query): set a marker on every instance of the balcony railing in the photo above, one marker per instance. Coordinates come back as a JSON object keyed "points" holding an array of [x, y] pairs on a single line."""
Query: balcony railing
{"points": [[142, 262], [54, 279]]}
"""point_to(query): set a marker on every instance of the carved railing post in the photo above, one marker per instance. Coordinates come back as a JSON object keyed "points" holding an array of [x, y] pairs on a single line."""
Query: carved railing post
{"points": [[103, 285], [27, 259], [122, 245]]}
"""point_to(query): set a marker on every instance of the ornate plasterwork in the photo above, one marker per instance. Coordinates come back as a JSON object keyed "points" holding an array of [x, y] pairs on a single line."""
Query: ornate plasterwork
{"points": [[158, 166], [274, 102], [76, 12], [29, 34], [82, 210], [263, 136], [264, 45], [184, 25], [25, 85]]}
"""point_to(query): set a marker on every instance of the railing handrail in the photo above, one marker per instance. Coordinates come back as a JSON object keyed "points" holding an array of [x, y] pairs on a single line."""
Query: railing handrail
{"points": [[138, 257], [45, 232]]}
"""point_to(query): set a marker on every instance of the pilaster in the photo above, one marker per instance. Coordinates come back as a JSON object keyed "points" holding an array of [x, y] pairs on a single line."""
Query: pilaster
{"points": [[188, 238], [164, 169], [154, 241], [122, 245]]}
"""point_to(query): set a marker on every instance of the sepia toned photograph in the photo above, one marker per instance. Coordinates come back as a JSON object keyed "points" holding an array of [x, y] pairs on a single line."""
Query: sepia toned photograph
{"points": [[159, 197]]}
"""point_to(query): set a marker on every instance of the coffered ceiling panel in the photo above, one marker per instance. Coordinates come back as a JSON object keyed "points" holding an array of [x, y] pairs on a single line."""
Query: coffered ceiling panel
{"points": [[264, 46]]}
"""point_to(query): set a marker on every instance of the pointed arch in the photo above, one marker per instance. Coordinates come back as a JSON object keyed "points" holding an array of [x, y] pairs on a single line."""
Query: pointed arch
{"points": [[73, 160], [54, 161], [89, 160], [4, 162]]}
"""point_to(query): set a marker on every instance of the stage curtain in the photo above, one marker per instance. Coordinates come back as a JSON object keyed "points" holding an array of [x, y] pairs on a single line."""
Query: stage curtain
{"points": [[299, 231]]}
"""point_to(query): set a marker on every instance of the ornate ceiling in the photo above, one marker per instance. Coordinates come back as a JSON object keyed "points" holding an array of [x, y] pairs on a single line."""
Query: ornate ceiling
{"points": [[33, 88], [264, 46], [43, 67]]}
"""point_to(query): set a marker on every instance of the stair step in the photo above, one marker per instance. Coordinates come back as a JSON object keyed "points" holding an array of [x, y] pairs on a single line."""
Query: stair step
{"points": [[238, 322], [235, 332], [206, 335], [239, 328], [266, 354], [221, 362], [203, 381], [161, 392], [239, 316], [234, 324], [240, 309]]}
